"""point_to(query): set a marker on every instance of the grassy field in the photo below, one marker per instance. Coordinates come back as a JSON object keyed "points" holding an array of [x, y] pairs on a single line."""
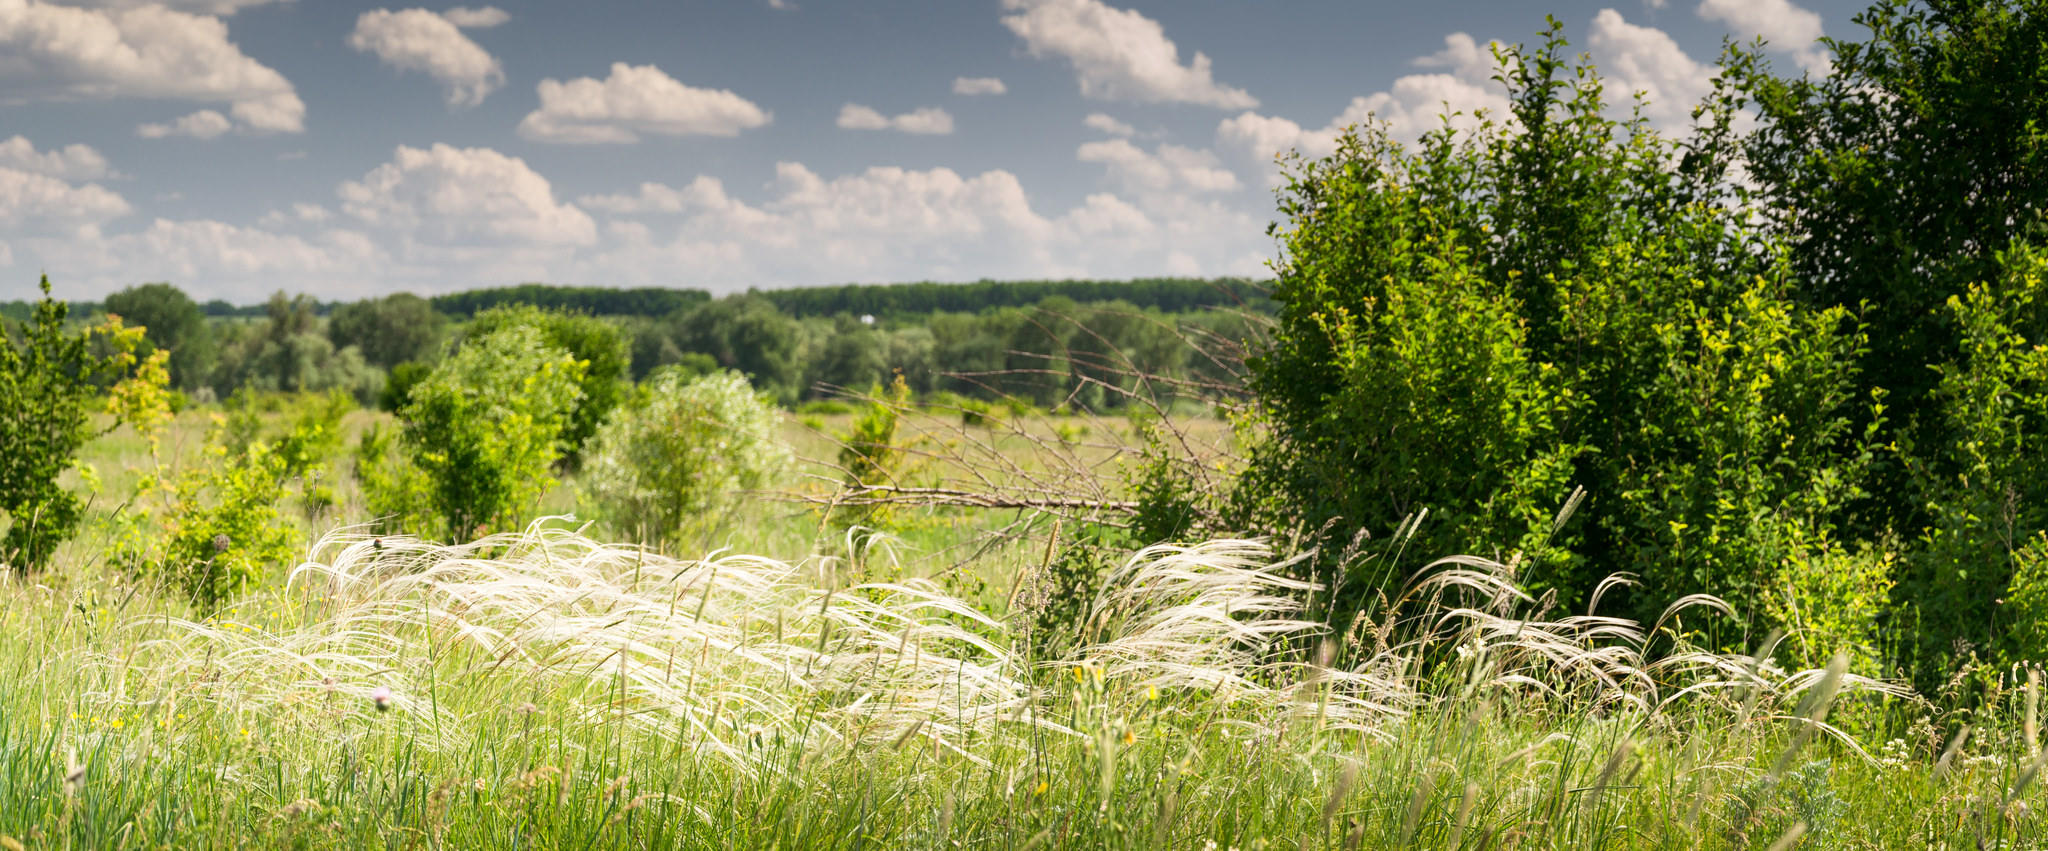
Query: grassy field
{"points": [[547, 689]]}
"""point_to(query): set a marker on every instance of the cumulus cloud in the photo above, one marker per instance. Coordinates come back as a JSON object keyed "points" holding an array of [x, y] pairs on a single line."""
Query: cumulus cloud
{"points": [[71, 162], [212, 258], [452, 195], [902, 224], [1118, 54], [1645, 59], [1785, 26], [32, 202], [49, 51], [1168, 168], [204, 124], [635, 99], [930, 120], [978, 86], [419, 40], [1415, 104], [1106, 124]]}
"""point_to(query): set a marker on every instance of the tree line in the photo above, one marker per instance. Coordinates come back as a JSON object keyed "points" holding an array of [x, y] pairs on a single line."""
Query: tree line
{"points": [[1029, 339]]}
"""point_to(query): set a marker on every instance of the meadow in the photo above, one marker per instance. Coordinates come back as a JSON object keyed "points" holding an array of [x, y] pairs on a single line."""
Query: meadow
{"points": [[762, 688], [1573, 485]]}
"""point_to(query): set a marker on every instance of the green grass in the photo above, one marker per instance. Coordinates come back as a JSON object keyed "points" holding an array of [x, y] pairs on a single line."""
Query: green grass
{"points": [[551, 691]]}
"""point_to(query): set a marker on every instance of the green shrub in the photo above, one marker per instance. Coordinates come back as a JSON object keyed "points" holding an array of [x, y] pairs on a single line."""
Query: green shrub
{"points": [[870, 456], [1478, 327], [478, 437], [48, 377], [599, 345], [674, 459], [398, 385], [223, 528], [1986, 488]]}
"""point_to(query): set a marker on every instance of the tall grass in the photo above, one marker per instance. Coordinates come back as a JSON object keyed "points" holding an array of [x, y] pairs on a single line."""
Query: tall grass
{"points": [[545, 689]]}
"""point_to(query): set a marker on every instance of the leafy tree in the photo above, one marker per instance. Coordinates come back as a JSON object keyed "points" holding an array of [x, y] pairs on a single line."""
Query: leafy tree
{"points": [[598, 344], [389, 330], [171, 321], [747, 334], [478, 436], [288, 353], [673, 460], [1477, 327], [48, 376]]}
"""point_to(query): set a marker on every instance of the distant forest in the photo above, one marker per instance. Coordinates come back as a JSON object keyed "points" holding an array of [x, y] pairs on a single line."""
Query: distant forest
{"points": [[1054, 343]]}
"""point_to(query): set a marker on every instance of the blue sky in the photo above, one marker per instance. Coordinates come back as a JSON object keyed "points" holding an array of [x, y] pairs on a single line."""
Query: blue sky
{"points": [[235, 147]]}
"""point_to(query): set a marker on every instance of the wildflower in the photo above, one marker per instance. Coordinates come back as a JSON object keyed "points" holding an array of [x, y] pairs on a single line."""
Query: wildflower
{"points": [[1042, 786], [381, 698], [1152, 693]]}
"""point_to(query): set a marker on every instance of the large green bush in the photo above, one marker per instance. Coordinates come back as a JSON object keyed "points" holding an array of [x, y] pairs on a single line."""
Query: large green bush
{"points": [[675, 459], [477, 439], [1475, 327], [599, 345]]}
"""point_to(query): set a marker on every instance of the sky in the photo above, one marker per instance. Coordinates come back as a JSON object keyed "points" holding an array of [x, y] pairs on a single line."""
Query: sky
{"points": [[345, 149]]}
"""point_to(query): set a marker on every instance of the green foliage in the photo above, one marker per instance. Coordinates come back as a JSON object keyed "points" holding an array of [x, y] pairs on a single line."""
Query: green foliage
{"points": [[388, 331], [171, 321], [288, 353], [870, 456], [1899, 176], [1984, 488], [1174, 295], [749, 335], [478, 436], [600, 347], [399, 383], [48, 376], [1475, 328], [224, 531], [674, 459], [594, 301]]}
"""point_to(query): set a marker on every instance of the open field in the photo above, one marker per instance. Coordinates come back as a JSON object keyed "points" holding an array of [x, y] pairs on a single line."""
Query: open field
{"points": [[545, 690]]}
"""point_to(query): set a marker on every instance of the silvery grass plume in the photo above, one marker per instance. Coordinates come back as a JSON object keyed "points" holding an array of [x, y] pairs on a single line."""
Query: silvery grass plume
{"points": [[730, 652]]}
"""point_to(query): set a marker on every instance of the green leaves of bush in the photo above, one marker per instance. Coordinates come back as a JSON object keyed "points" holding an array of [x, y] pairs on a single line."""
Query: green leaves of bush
{"points": [[477, 438], [674, 459]]}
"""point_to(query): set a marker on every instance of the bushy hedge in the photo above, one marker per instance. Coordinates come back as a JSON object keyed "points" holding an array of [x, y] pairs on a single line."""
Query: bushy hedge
{"points": [[1558, 299]]}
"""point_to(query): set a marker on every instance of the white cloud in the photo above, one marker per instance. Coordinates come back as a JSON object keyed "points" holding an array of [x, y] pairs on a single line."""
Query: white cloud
{"points": [[978, 86], [300, 213], [1109, 125], [923, 121], [49, 51], [634, 100], [41, 203], [1415, 104], [904, 224], [212, 259], [71, 162], [419, 40], [1118, 54], [204, 124], [1169, 168], [481, 18], [1785, 26], [464, 196], [1634, 58], [703, 193]]}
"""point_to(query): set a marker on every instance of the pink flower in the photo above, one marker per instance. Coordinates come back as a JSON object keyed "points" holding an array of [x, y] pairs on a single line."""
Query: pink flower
{"points": [[381, 697]]}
